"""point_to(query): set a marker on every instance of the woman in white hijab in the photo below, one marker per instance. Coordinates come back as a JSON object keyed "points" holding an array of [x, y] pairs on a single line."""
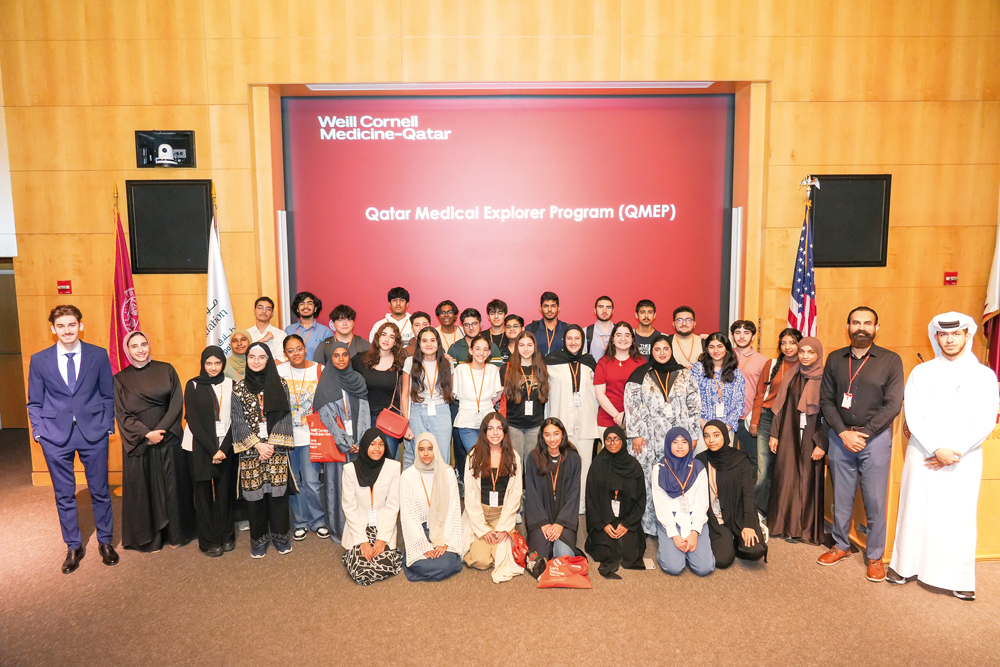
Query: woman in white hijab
{"points": [[430, 514], [951, 406]]}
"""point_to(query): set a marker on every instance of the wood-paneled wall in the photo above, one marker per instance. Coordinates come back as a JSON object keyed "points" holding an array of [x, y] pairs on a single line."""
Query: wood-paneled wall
{"points": [[896, 86]]}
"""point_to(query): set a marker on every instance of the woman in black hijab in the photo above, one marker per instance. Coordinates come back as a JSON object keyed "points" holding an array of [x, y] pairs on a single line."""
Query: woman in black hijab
{"points": [[207, 404], [733, 524], [371, 506], [342, 403], [157, 506], [616, 500], [262, 436]]}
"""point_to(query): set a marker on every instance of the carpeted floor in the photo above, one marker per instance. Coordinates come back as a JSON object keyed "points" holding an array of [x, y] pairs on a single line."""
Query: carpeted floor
{"points": [[179, 607]]}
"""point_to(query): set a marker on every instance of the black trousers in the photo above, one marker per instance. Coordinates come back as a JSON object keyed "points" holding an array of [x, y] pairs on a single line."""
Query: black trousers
{"points": [[270, 519], [727, 545], [213, 505]]}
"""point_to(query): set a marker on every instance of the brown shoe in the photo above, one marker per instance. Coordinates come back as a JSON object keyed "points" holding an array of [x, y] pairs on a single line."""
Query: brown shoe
{"points": [[833, 556], [876, 570]]}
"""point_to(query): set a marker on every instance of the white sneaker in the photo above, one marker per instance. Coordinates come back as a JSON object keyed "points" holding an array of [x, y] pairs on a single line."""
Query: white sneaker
{"points": [[323, 532]]}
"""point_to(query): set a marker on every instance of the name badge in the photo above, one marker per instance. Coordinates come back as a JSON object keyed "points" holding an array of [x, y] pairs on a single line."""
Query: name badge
{"points": [[802, 420], [220, 429], [668, 411], [432, 410], [350, 428], [616, 507], [373, 517], [685, 507], [846, 403], [494, 499], [577, 401], [717, 509], [720, 411], [529, 408], [262, 431]]}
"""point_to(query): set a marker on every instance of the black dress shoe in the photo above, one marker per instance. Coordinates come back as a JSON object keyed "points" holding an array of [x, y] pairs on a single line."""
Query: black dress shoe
{"points": [[108, 554], [213, 552], [229, 546], [73, 558]]}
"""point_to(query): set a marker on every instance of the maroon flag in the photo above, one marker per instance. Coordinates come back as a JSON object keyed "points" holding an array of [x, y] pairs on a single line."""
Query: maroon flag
{"points": [[124, 310]]}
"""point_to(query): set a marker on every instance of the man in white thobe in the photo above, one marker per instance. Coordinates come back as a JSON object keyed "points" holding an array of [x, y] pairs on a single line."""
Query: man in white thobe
{"points": [[951, 407]]}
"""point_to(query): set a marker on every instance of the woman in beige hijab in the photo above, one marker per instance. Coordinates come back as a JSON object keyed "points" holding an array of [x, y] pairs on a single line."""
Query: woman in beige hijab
{"points": [[430, 515]]}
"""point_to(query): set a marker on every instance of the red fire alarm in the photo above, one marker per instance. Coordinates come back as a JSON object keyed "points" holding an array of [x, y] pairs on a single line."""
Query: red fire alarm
{"points": [[951, 277], [65, 286]]}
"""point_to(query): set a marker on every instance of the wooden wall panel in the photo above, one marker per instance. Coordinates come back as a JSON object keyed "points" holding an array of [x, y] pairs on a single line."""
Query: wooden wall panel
{"points": [[101, 19], [561, 18]]}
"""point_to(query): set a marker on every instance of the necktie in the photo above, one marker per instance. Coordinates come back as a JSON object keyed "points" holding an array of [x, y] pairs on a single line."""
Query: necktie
{"points": [[70, 371]]}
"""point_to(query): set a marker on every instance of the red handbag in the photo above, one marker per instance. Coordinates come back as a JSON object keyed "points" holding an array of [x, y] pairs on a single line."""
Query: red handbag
{"points": [[518, 547], [392, 423]]}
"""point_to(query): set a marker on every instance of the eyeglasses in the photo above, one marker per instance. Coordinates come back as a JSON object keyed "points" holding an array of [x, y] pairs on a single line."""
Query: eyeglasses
{"points": [[447, 312], [684, 320]]}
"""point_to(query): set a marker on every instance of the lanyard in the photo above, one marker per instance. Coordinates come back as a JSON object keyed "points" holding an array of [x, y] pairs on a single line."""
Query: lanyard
{"points": [[426, 495], [660, 382], [576, 375], [495, 476], [311, 330], [718, 386], [260, 400], [295, 389], [712, 481], [850, 368], [218, 404], [371, 491], [430, 385], [680, 350], [347, 407], [449, 343], [548, 338], [685, 482], [479, 392], [555, 478], [529, 382]]}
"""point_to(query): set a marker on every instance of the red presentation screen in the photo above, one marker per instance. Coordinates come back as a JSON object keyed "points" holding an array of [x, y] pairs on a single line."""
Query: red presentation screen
{"points": [[479, 197]]}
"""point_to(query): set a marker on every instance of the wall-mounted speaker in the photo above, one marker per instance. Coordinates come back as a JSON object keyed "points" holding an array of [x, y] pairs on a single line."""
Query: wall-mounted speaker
{"points": [[169, 223], [851, 220]]}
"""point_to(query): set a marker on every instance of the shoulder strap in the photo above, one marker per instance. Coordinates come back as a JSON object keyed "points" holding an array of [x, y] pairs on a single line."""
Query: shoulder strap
{"points": [[590, 336]]}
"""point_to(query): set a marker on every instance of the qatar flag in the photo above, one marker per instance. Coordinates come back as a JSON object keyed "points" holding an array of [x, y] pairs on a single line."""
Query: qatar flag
{"points": [[124, 309]]}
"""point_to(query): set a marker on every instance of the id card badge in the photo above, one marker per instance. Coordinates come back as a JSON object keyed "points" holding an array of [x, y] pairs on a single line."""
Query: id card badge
{"points": [[220, 430], [494, 499], [432, 410], [802, 420], [616, 507], [668, 411], [720, 411], [577, 400], [262, 431], [846, 403], [350, 428], [529, 408], [685, 508], [296, 420], [717, 508], [373, 517]]}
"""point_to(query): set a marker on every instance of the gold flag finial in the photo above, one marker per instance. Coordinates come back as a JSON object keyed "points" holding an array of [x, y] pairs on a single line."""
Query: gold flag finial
{"points": [[213, 193], [116, 195]]}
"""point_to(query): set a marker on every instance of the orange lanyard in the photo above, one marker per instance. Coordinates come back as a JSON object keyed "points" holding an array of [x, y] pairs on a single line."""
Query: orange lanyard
{"points": [[660, 382], [371, 491], [576, 375], [718, 386], [685, 482], [529, 382], [495, 477], [449, 343], [260, 400], [690, 351], [347, 408], [295, 389], [548, 338], [311, 329], [426, 495], [712, 481], [555, 478], [479, 392], [433, 379], [850, 368]]}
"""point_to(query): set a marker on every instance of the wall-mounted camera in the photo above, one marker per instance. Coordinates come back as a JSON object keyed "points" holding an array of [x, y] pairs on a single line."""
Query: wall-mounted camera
{"points": [[155, 148]]}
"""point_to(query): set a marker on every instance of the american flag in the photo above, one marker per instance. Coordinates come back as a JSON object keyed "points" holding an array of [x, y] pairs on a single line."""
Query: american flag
{"points": [[802, 305]]}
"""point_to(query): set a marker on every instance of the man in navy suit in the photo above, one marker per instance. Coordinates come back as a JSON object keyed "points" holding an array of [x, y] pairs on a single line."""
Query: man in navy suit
{"points": [[71, 406]]}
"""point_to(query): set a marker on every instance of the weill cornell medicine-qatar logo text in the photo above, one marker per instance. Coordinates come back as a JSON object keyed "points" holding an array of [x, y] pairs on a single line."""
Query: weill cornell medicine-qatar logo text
{"points": [[377, 128]]}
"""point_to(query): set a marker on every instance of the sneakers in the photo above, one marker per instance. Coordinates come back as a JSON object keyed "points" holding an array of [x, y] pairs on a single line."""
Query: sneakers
{"points": [[259, 551], [283, 547], [965, 595], [323, 532], [893, 578], [299, 534], [876, 570], [833, 556]]}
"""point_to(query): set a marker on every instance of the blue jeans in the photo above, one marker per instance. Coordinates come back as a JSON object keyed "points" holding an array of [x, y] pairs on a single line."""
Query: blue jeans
{"points": [[307, 504], [672, 560], [872, 465], [764, 459], [438, 425], [392, 447]]}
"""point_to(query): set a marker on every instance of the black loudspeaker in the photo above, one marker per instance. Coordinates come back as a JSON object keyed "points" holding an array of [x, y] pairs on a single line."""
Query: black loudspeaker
{"points": [[851, 220], [169, 224]]}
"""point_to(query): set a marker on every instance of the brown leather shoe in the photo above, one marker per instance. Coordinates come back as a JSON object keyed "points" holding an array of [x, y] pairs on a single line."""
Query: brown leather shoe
{"points": [[876, 570], [833, 556]]}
